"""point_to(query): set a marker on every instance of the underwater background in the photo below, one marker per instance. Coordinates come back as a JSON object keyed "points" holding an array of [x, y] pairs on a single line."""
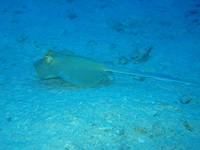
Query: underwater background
{"points": [[131, 113]]}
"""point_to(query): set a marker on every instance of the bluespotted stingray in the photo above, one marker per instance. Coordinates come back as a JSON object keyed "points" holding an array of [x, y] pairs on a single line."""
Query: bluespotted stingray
{"points": [[78, 71]]}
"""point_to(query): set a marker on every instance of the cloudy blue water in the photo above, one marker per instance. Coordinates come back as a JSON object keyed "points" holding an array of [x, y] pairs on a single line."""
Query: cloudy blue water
{"points": [[160, 37]]}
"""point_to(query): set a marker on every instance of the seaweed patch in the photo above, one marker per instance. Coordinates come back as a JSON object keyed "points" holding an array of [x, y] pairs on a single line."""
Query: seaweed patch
{"points": [[142, 56], [187, 126]]}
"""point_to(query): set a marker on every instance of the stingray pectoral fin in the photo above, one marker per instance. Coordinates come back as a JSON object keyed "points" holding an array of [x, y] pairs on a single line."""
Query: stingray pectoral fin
{"points": [[73, 80], [64, 77], [156, 76], [86, 78]]}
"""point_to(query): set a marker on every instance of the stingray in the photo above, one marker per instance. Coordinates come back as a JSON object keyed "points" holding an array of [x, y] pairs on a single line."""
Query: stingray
{"points": [[78, 71]]}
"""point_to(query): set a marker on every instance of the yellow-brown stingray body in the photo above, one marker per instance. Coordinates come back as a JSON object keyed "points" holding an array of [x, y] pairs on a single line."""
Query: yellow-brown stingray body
{"points": [[76, 70]]}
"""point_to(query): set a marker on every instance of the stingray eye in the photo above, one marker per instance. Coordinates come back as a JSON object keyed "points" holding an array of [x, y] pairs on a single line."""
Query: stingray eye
{"points": [[48, 59]]}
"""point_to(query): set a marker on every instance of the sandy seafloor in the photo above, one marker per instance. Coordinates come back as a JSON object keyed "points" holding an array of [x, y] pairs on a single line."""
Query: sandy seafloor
{"points": [[129, 114]]}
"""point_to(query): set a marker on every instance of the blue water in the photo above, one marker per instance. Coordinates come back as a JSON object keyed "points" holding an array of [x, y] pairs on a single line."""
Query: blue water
{"points": [[131, 113]]}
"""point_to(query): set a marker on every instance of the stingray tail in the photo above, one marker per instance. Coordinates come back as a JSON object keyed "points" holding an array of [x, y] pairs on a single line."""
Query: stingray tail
{"points": [[156, 76]]}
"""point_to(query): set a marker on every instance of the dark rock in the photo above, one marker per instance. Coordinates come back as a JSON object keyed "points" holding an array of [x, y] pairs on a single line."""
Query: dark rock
{"points": [[195, 21], [140, 57], [185, 100], [193, 12], [18, 12], [197, 5], [9, 119], [5, 10], [72, 16], [119, 27], [22, 39], [187, 126], [123, 60]]}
